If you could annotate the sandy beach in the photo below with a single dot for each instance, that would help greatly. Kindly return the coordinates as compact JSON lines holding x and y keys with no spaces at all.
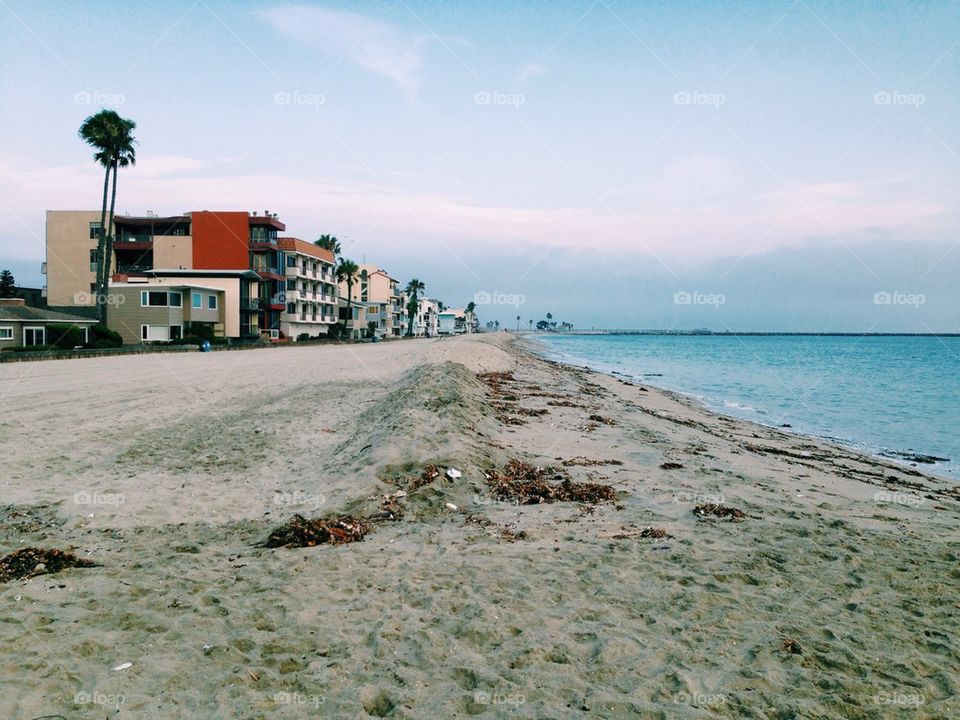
{"x":836,"y":595}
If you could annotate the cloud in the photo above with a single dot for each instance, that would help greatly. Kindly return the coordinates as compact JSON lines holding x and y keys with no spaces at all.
{"x":379,"y":215}
{"x":532,"y":70}
{"x":370,"y":43}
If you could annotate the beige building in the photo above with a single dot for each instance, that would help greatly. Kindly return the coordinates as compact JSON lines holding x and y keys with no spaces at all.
{"x":375,"y":287}
{"x":71,"y":266}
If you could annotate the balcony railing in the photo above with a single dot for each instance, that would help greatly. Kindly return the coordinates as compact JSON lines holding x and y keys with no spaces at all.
{"x":249,"y":303}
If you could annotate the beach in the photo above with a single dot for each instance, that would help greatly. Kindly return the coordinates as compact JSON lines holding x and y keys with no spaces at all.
{"x":833,"y":592}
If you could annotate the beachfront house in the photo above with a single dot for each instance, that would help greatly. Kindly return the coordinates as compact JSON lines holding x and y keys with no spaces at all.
{"x":452,"y":321}
{"x":24,"y":326}
{"x":222,"y":303}
{"x":379,"y":296}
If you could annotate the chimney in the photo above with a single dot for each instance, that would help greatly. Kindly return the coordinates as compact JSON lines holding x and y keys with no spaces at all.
{"x":12,"y":302}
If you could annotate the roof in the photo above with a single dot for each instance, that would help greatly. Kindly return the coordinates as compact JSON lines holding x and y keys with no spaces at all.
{"x":292,"y":244}
{"x":162,"y":286}
{"x":21,"y":313}
{"x":181,"y":272}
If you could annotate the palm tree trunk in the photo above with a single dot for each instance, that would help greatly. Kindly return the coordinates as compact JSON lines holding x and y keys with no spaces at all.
{"x":101,"y":245}
{"x":350,"y":307}
{"x":414,"y":305}
{"x":108,"y":247}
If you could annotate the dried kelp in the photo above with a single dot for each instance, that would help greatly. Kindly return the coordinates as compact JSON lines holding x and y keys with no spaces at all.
{"x":720,"y":511}
{"x":30,"y":561}
{"x":526,"y":484}
{"x":584,"y":461}
{"x":336,"y":530}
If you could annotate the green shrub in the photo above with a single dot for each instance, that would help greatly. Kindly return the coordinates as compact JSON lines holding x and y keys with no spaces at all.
{"x":200,"y":330}
{"x":101,"y":337}
{"x":64,"y":335}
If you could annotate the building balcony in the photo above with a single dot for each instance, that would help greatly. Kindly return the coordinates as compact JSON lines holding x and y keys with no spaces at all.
{"x":250,"y":304}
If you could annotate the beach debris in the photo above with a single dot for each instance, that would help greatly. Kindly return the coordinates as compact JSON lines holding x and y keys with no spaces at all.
{"x":715,"y":510}
{"x":511,"y":535}
{"x":791,"y":646}
{"x":532,"y":412}
{"x":336,"y":530}
{"x":429,"y":474}
{"x":29,"y":561}
{"x":124,"y":666}
{"x":625,"y":533}
{"x":453,"y":473}
{"x":527,"y":484}
{"x":602,"y":419}
{"x":510,"y":420}
{"x":563,"y":403}
{"x":671,"y":466}
{"x":451,"y":506}
{"x":587,"y":462}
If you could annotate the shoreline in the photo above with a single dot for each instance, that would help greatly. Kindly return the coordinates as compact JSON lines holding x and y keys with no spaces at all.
{"x":701,"y":404}
{"x":465,"y":605}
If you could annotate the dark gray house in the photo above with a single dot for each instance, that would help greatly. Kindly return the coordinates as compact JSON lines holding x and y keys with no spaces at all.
{"x":23,"y":326}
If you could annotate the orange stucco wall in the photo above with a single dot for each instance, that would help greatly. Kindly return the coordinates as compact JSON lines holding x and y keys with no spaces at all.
{"x":220,"y":240}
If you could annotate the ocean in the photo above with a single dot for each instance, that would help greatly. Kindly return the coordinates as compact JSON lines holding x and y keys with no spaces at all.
{"x":890,"y":396}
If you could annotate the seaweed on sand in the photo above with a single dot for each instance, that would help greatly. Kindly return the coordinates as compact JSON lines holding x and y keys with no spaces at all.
{"x":30,"y":561}
{"x":720,"y":511}
{"x":528,"y":485}
{"x":301,"y":532}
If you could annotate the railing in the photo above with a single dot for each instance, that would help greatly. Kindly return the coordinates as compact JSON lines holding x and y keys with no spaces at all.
{"x":249,"y":303}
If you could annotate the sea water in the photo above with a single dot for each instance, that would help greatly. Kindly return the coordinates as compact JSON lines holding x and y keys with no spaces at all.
{"x":887,"y":395}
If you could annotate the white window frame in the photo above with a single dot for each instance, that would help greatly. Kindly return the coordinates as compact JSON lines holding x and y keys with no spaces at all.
{"x":212,"y":299}
{"x":196,"y":300}
{"x":41,"y":328}
{"x":4,"y":328}
{"x":145,"y":333}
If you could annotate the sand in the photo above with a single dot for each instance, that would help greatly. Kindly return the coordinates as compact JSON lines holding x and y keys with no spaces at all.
{"x":170,"y":471}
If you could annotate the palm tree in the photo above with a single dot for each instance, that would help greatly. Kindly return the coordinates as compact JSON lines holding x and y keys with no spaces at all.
{"x":329,"y":242}
{"x":414,"y":288}
{"x":111,"y":136}
{"x":347,"y":272}
{"x":518,"y":323}
{"x":471,"y":307}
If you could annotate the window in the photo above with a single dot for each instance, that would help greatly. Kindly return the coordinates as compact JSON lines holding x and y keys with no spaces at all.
{"x":154,"y":298}
{"x":196,"y":300}
{"x":151,"y":333}
{"x":176,"y":332}
{"x":212,"y":302}
{"x":292,"y":308}
{"x":291,"y":261}
{"x":176,"y":299}
{"x":291,"y":284}
{"x":34,"y":336}
{"x":94,"y":234}
{"x":93,"y":260}
{"x":6,"y":332}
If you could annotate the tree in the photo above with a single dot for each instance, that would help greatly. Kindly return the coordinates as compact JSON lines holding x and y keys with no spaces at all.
{"x":542,"y":325}
{"x":530,"y":321}
{"x":329,"y":242}
{"x":111,"y":137}
{"x":414,"y":288}
{"x":518,"y":323}
{"x":549,"y":317}
{"x":7,"y":284}
{"x":347,"y":272}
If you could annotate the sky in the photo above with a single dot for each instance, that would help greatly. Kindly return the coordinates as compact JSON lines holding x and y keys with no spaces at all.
{"x":752,"y":166}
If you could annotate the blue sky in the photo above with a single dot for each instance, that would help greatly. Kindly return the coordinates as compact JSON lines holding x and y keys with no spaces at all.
{"x":599,"y":159}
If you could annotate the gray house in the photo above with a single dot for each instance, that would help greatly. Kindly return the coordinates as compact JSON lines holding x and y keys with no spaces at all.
{"x":24,"y":326}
